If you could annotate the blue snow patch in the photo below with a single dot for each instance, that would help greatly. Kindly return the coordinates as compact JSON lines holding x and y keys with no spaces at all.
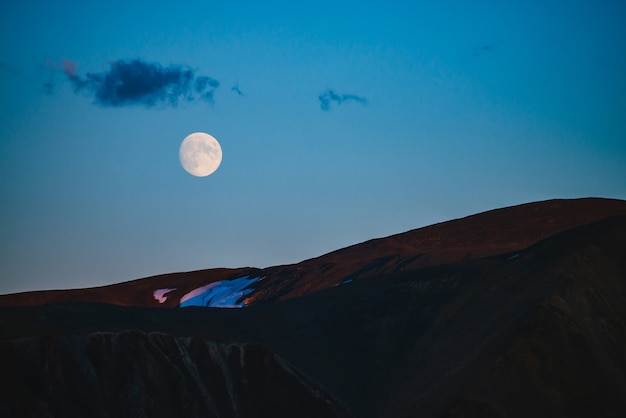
{"x":222,"y":294}
{"x":347,"y":281}
{"x":512,"y":257}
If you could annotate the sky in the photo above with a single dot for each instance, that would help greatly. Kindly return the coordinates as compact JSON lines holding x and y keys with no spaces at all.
{"x":339,"y":122}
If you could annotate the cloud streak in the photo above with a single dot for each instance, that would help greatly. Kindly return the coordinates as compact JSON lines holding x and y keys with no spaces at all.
{"x":329,"y":97}
{"x":236,"y":89}
{"x":486,"y":48}
{"x":136,"y":82}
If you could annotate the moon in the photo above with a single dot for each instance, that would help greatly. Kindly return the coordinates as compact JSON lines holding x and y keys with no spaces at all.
{"x":200,"y":154}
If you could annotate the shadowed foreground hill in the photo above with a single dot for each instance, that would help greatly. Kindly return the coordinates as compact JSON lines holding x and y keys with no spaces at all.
{"x":536,"y":332}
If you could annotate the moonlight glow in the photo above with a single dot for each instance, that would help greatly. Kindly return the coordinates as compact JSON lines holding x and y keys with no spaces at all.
{"x":200,"y":154}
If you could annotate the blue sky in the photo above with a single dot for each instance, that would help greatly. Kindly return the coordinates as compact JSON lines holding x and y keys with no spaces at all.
{"x":450,"y":109}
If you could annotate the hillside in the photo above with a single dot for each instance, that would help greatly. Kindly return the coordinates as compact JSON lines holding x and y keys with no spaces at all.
{"x":513,"y":330}
{"x":489,"y":233}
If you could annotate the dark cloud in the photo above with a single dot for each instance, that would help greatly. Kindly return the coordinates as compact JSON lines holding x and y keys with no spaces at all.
{"x":141,"y":83}
{"x":205,"y":87}
{"x":203,"y":82}
{"x":330,"y":96}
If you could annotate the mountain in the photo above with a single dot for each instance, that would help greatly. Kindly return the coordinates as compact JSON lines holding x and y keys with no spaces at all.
{"x":514,"y":312}
{"x":499,"y":231}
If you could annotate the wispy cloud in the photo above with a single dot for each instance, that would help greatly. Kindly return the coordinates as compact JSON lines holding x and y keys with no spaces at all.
{"x":486,"y":48}
{"x":49,"y":69}
{"x":236,"y":89}
{"x":137,"y":82}
{"x":329,"y":96}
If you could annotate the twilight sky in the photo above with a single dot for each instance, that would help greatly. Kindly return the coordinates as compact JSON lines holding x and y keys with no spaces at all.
{"x":339,"y":122}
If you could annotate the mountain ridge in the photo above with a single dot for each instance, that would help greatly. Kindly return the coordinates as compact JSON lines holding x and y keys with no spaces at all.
{"x":540,"y":334}
{"x":487,"y":233}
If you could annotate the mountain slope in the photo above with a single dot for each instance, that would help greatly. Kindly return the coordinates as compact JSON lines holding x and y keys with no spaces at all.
{"x":538,"y":332}
{"x":498,"y":231}
{"x":489,"y":233}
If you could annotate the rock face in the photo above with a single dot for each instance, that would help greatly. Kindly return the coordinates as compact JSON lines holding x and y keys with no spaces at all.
{"x":532,"y":329}
{"x":138,"y":374}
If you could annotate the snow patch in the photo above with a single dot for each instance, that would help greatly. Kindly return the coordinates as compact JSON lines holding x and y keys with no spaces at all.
{"x":160,"y":294}
{"x":222,"y":294}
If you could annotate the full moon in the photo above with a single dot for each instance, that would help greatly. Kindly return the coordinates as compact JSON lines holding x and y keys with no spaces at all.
{"x":200,"y":154}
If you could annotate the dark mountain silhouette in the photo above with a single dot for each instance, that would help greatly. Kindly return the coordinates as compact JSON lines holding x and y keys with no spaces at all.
{"x":514,"y":312}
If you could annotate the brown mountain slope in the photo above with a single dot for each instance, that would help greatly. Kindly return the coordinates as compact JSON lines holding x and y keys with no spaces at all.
{"x":540,"y":334}
{"x":489,"y":233}
{"x":494,"y":232}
